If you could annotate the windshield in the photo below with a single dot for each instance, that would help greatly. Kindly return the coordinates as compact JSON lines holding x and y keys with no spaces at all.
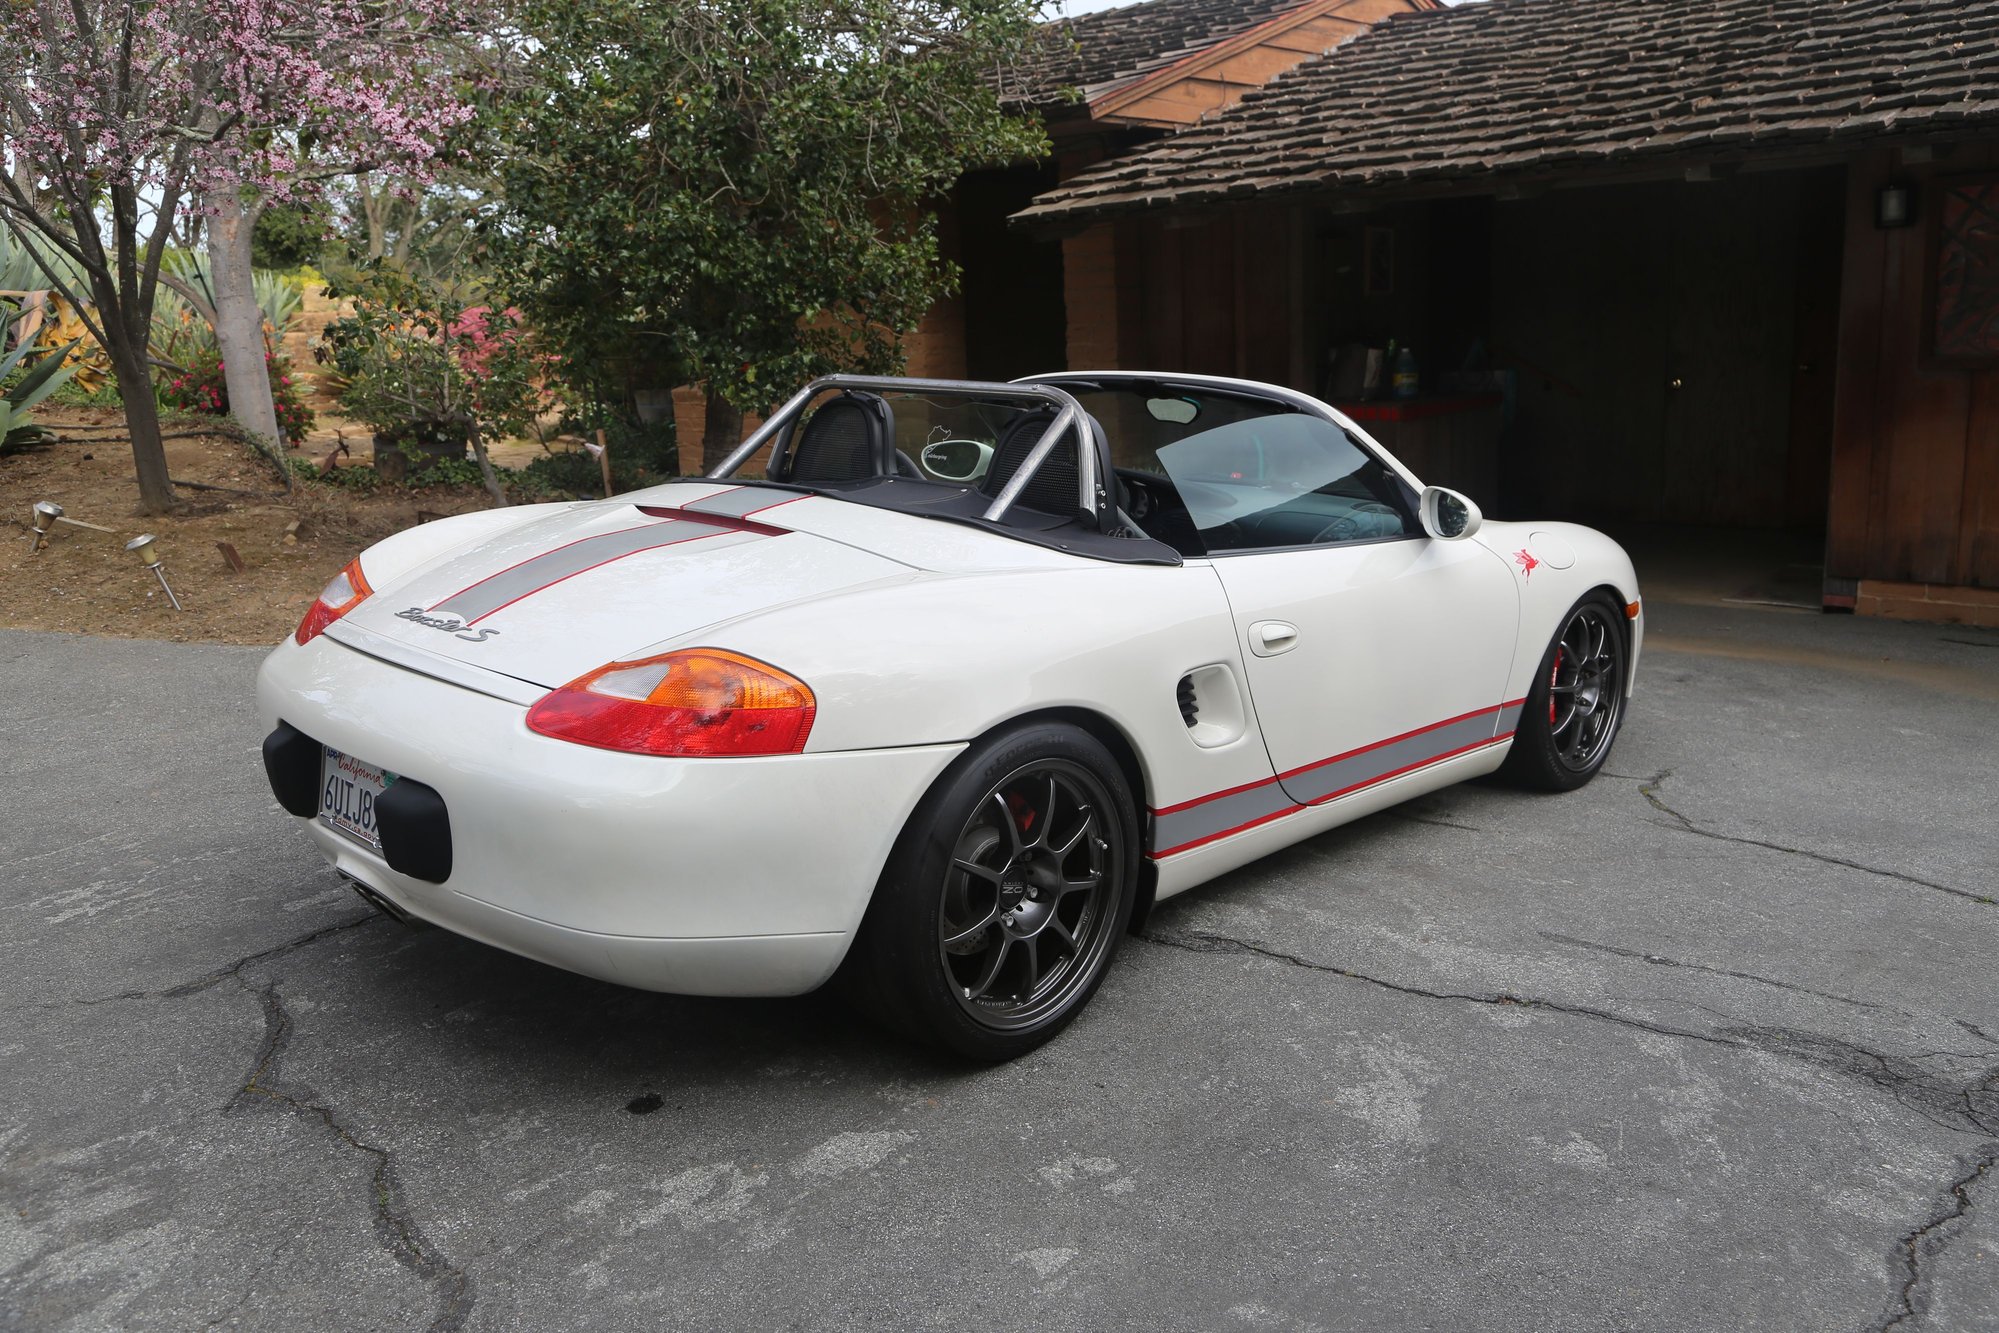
{"x":1215,"y":473}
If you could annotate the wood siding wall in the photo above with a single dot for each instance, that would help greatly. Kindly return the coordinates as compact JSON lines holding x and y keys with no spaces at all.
{"x":1220,"y":297}
{"x":1915,"y":493}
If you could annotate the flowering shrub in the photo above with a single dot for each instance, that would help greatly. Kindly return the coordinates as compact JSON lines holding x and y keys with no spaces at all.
{"x":201,"y":388}
{"x":415,"y":360}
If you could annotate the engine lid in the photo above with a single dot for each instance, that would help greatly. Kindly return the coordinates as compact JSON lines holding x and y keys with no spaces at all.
{"x":554,"y":598}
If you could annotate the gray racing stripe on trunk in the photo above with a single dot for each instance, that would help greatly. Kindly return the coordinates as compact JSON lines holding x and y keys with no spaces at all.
{"x":532,"y":575}
{"x":1324,"y":781}
{"x":741,"y":502}
{"x":1177,"y":829}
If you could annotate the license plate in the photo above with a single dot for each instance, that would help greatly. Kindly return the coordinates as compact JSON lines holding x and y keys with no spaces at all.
{"x":348,"y":790}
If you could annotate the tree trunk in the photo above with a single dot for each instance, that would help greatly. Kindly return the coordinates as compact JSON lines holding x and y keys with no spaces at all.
{"x":239,"y":321}
{"x":371,"y":215}
{"x":486,"y":473}
{"x":142,"y":410}
{"x":720,"y":433}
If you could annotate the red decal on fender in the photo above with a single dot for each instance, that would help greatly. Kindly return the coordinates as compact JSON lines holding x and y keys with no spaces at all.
{"x":1528,"y":564}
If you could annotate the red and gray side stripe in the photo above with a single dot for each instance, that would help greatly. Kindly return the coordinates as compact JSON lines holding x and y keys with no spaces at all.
{"x":741,"y":501}
{"x":1328,"y":779}
{"x":1206,"y":819}
{"x":479,"y":600}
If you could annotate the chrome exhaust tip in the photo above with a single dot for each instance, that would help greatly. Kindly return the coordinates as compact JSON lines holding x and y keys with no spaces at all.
{"x":379,"y":902}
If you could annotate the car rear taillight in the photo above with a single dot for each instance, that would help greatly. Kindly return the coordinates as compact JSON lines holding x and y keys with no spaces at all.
{"x":696,"y":702}
{"x":347,"y":591}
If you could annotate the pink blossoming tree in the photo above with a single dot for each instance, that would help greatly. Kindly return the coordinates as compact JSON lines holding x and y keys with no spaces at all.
{"x":116,"y":116}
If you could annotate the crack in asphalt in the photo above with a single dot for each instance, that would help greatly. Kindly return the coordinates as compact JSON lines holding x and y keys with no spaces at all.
{"x":227,"y":972}
{"x":1958,"y":1106}
{"x":1649,"y":789}
{"x":395,"y":1230}
{"x":1205,"y":942}
{"x":1976,"y":1031}
{"x":1962,"y":1108}
{"x":1930,"y":1239}
{"x":1660,"y":960}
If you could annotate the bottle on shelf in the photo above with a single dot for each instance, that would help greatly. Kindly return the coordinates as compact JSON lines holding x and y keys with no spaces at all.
{"x":1406,"y":381}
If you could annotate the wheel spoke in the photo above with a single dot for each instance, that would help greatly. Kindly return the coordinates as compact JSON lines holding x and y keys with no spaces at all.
{"x":1033,"y":956}
{"x":1062,"y":933}
{"x":1089,"y":881}
{"x":1007,"y":819}
{"x":1082,"y":831}
{"x":1047,"y":816}
{"x":972,"y":932}
{"x":985,"y":873}
{"x":991,"y":970}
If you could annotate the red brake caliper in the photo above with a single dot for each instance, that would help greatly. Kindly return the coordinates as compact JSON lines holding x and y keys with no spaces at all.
{"x":1553,"y":676}
{"x":1015,"y":804}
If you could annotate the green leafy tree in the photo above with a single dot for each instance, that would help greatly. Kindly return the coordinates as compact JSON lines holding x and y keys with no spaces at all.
{"x":740,"y":193}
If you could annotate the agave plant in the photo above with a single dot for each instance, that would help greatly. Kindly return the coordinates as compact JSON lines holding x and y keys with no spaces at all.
{"x":47,"y":285}
{"x":182,"y":327}
{"x":25,"y":266}
{"x":19,"y":395}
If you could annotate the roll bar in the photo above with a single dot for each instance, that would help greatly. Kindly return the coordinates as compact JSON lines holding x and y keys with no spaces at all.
{"x":1069,"y":419}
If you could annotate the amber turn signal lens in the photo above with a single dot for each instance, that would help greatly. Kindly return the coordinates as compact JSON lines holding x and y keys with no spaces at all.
{"x":346,"y":590}
{"x":696,"y":702}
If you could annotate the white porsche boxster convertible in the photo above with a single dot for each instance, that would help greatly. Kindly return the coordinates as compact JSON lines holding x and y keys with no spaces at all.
{"x":942,"y":700}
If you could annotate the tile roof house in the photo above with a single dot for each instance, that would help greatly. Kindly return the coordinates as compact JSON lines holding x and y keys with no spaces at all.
{"x":1107,"y":84}
{"x":1734,"y":262}
{"x":1168,"y":62}
{"x":1526,"y":89}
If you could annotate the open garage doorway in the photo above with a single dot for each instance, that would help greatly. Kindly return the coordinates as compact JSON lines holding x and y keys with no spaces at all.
{"x":1673,"y":350}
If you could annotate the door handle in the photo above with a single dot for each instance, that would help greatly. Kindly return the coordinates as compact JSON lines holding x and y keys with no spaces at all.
{"x":1267,"y":638}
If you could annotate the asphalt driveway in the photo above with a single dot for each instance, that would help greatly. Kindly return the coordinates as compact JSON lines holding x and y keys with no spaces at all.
{"x":1713,"y":1043}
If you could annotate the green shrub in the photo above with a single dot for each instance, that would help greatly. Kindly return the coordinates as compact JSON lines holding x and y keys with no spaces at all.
{"x":580,"y":474}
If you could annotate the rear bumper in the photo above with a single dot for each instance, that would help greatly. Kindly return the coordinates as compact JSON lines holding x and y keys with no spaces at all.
{"x":704,"y":876}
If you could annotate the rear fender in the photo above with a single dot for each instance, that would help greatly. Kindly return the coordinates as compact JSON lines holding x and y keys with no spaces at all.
{"x":947,"y":658}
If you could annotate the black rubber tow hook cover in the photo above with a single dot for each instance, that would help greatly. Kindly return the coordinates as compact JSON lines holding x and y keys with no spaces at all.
{"x":416,"y":831}
{"x":291,"y":762}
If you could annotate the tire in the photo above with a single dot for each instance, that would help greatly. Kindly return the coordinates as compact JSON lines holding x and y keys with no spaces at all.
{"x":1006,"y":897}
{"x":1576,"y":706}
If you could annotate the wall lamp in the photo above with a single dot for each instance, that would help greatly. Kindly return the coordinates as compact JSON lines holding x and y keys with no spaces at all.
{"x":1895,"y":205}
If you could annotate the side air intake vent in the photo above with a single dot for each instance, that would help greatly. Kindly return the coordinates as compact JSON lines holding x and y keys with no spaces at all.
{"x":1212,"y":706}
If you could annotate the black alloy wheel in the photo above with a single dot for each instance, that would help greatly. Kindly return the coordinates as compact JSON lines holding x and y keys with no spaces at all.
{"x":1576,"y":704}
{"x":1586,"y":688}
{"x":1026,"y":898}
{"x":1006,"y":896}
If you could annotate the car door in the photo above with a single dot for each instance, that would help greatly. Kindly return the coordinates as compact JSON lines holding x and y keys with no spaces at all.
{"x":1372,"y":649}
{"x":1369,"y":659}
